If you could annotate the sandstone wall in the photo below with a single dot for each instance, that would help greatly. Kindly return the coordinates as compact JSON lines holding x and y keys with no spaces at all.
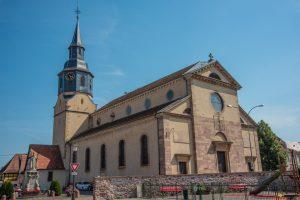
{"x":126,"y":187}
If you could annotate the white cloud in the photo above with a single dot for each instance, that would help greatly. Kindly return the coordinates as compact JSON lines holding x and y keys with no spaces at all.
{"x":114,"y":72}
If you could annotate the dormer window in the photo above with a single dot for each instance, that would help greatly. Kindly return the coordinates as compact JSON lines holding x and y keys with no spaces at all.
{"x":215,"y":76}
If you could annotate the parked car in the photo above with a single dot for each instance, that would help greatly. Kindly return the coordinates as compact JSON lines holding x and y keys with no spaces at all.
{"x":84,"y":186}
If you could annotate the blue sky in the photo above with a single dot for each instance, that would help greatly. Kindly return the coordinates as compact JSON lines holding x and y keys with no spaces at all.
{"x":131,"y":43}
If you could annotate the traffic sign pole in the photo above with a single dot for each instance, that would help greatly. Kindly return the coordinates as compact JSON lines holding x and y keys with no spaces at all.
{"x":74,"y":167}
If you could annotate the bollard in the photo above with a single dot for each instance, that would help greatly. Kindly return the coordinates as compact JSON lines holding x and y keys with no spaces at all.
{"x":185,"y":194}
{"x":13,"y":196}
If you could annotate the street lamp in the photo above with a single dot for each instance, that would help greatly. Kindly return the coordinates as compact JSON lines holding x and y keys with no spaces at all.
{"x":251,"y":155}
{"x":74,"y":152}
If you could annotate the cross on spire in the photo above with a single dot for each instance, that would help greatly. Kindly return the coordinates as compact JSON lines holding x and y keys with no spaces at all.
{"x":77,"y":11}
{"x":211,"y":57}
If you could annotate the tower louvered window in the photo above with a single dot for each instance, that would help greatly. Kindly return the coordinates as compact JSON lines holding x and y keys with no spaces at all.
{"x":82,"y":81}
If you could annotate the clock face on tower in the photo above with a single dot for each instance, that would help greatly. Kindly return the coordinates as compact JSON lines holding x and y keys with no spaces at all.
{"x":69,"y":76}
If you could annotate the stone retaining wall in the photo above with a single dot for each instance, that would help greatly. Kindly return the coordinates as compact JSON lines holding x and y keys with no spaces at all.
{"x":126,"y":187}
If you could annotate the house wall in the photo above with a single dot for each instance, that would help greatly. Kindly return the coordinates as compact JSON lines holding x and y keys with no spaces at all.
{"x":58,"y":175}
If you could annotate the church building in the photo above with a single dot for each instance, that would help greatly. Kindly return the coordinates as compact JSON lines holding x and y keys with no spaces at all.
{"x":187,"y":122}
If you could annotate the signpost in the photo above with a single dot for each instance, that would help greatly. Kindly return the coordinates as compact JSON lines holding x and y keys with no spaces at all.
{"x":74,"y":167}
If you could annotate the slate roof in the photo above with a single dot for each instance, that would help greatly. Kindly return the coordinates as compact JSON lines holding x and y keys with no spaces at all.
{"x":150,"y":86}
{"x":48,"y":156}
{"x":124,"y":120}
{"x":15,"y":165}
{"x":76,"y":40}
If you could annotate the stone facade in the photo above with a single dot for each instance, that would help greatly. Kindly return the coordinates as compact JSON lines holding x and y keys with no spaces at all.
{"x":185,"y":131}
{"x":183,"y":128}
{"x":126,"y":187}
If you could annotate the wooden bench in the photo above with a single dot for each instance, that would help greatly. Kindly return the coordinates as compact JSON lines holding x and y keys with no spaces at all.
{"x":238,"y":187}
{"x":175,"y":189}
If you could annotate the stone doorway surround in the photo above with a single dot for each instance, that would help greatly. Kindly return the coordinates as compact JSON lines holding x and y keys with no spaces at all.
{"x":221,"y":144}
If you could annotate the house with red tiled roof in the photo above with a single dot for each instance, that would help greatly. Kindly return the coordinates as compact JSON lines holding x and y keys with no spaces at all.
{"x":14,"y":169}
{"x":49,"y":165}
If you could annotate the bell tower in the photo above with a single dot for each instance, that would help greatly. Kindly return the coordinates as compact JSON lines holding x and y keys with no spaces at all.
{"x":74,"y":102}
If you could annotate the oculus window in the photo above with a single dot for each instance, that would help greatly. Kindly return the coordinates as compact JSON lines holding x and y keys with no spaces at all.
{"x":217,"y":102}
{"x":170,"y":95}
{"x":147,"y":103}
{"x":128,"y":110}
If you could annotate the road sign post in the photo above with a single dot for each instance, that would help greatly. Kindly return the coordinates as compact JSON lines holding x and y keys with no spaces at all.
{"x":74,"y":167}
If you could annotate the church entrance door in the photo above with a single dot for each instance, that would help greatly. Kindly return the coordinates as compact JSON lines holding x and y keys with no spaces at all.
{"x":222,"y":163}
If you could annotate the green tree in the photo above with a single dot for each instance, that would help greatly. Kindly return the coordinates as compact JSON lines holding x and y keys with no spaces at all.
{"x":7,"y":189}
{"x":55,"y":186}
{"x":272,"y":150}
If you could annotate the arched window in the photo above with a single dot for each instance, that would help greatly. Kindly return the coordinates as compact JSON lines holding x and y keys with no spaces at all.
{"x":217,"y":102}
{"x":215,"y":76}
{"x":87,"y":159}
{"x":144,"y":150}
{"x":121,"y":153}
{"x":82,"y":81}
{"x":74,"y":157}
{"x":103,"y":156}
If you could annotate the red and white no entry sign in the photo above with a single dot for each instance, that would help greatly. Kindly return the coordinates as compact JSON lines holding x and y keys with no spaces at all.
{"x":74,"y":166}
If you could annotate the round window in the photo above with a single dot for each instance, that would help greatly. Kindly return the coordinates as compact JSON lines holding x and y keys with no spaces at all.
{"x":147,"y":103}
{"x":128,"y":110}
{"x":170,"y":95}
{"x":217,"y":102}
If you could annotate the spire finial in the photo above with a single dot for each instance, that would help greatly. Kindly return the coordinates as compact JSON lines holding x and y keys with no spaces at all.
{"x":211,"y":57}
{"x":77,"y":11}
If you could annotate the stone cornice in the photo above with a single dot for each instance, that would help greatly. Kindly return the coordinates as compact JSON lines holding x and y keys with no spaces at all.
{"x":176,"y":115}
{"x":214,"y":81}
{"x":73,"y":111}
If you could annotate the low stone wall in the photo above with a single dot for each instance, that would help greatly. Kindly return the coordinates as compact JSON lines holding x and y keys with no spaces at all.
{"x":126,"y":187}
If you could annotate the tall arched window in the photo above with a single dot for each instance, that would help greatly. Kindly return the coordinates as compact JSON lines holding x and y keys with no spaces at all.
{"x":121,"y":153}
{"x":144,"y":150}
{"x":82,"y":81}
{"x":87,"y":159}
{"x":103,"y":157}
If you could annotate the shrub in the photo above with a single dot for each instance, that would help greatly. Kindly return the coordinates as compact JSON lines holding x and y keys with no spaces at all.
{"x":7,"y":189}
{"x":55,"y":186}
